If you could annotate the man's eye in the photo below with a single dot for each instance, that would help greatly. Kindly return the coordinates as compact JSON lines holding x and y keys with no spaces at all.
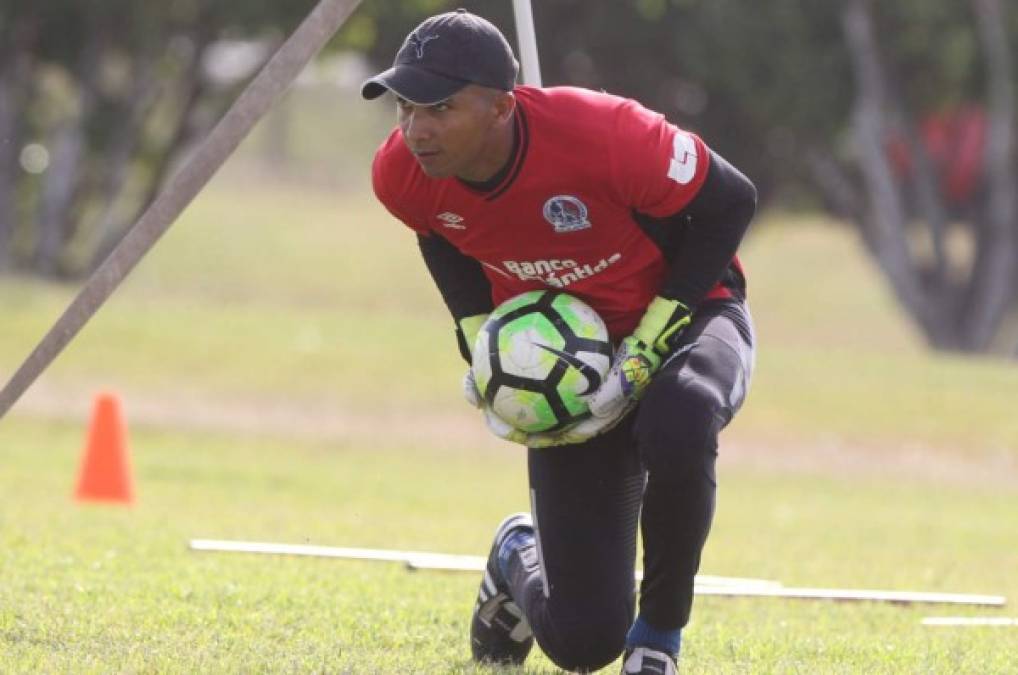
{"x":440,"y":107}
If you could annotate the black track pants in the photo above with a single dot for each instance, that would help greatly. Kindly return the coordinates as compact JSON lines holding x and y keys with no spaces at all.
{"x":587,"y":501}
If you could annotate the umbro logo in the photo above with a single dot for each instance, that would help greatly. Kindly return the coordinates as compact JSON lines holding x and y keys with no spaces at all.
{"x":452,"y":220}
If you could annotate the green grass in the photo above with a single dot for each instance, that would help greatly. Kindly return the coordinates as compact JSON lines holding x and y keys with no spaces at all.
{"x":99,"y":589}
{"x":838,"y":359}
{"x":289,"y":374}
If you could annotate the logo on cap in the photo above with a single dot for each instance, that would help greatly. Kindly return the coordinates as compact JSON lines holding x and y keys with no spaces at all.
{"x":418,"y":43}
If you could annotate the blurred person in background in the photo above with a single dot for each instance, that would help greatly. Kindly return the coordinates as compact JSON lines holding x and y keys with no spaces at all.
{"x":508,"y":188}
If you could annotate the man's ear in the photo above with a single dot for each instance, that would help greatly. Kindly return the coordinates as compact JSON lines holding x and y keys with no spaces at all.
{"x":505,"y":104}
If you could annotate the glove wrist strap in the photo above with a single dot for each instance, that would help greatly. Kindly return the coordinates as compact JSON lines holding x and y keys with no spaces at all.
{"x":663,"y":321}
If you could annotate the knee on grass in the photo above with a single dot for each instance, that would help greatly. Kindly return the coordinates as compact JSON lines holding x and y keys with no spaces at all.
{"x":584,"y":646}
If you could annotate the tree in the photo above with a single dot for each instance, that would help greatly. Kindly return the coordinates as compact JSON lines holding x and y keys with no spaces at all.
{"x":97,"y":101}
{"x":852,"y":106}
{"x":959,"y":301}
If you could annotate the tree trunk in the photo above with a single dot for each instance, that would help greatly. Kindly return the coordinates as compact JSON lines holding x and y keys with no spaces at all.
{"x":883,"y":227}
{"x":994,"y":272}
{"x":66,"y":146}
{"x":185,"y":95}
{"x":69,"y":148}
{"x":9,"y":149}
{"x":953,"y":313}
{"x":15,"y":75}
{"x":842,"y":196}
{"x":111,"y":192}
{"x":277,"y":127}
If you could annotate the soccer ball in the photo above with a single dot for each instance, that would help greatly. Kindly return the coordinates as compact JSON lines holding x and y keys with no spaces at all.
{"x":537,"y":356}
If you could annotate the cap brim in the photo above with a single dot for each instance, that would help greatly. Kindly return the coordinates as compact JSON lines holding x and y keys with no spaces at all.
{"x":414,"y":84}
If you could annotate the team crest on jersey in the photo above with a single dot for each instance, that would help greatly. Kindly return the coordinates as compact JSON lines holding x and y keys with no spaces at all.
{"x":566,"y":213}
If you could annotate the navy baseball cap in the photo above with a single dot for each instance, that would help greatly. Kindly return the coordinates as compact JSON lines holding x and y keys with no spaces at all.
{"x":444,"y":54}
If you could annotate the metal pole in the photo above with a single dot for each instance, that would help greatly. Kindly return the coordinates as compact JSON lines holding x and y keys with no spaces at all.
{"x":256,"y":99}
{"x":527,"y":39}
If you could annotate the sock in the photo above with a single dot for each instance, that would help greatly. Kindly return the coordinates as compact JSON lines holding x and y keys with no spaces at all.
{"x":642,"y":634}
{"x":516,"y":540}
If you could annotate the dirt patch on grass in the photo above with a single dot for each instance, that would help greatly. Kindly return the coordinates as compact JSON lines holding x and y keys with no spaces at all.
{"x":459,"y":429}
{"x":909,"y":461}
{"x":283,"y":418}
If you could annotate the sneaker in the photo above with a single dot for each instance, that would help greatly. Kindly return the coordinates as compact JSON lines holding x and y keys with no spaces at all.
{"x":499,"y":633}
{"x":647,"y":661}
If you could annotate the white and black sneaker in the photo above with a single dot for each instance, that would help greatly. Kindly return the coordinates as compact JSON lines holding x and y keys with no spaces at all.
{"x":499,"y":633}
{"x":647,"y":661}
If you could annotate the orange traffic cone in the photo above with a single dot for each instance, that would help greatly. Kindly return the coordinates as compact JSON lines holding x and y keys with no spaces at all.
{"x":105,"y":473}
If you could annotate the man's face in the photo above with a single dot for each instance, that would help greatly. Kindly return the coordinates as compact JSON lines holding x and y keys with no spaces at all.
{"x":458,"y":136}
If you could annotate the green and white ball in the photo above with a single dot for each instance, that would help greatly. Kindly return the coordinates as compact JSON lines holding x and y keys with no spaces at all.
{"x":537,"y":356}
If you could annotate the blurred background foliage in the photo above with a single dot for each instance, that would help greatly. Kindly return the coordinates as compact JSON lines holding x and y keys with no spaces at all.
{"x":897,"y":118}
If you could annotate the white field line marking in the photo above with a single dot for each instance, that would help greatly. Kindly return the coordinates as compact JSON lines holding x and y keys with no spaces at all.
{"x":705,"y":585}
{"x":853,"y":595}
{"x":476,"y":564}
{"x":761,"y":588}
{"x":417,"y":560}
{"x":329,"y":552}
{"x":969,"y":621}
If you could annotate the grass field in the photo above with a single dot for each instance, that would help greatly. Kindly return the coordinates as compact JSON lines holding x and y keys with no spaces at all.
{"x":289,"y":374}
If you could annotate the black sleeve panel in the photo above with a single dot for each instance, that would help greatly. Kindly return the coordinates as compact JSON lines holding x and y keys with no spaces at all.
{"x":700,"y":241}
{"x":459,"y":278}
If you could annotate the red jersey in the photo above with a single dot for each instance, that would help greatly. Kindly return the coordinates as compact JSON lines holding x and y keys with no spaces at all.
{"x":564,"y":215}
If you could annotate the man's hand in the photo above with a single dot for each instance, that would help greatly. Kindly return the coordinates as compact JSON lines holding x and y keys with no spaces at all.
{"x":469,"y":327}
{"x":470,"y":391}
{"x":577,"y":433}
{"x":638,"y":358}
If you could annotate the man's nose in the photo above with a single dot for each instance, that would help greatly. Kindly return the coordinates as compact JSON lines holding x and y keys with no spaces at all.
{"x":417,"y":127}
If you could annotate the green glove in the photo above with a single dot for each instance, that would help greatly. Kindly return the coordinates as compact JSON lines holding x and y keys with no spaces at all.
{"x":662,"y":325}
{"x":639,"y":357}
{"x":469,"y":327}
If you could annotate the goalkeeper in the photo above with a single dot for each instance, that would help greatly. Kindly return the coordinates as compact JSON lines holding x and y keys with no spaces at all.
{"x":514,"y":188}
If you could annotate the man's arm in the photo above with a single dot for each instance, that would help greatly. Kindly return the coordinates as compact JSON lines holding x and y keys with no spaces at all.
{"x":701,"y":240}
{"x":714,"y":223}
{"x":460,"y":280}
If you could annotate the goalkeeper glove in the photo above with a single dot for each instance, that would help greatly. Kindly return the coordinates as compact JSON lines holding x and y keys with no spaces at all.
{"x":637,"y":359}
{"x":469,"y":327}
